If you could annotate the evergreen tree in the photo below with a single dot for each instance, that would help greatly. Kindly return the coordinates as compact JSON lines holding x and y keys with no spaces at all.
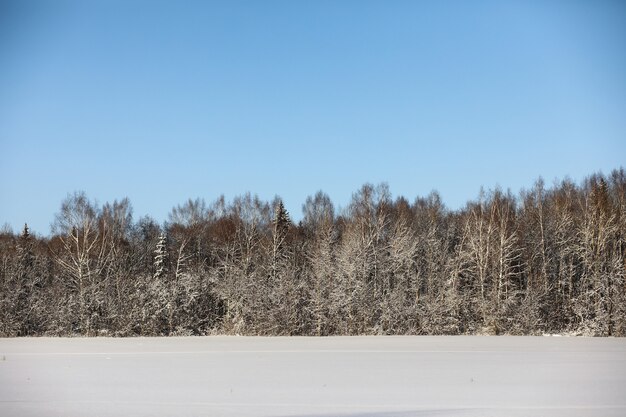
{"x":27,"y":280}
{"x":282,"y":223}
{"x":25,"y":250}
{"x":160,"y":258}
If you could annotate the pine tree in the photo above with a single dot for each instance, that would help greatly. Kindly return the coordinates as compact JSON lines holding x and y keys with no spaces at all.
{"x":26,"y":281}
{"x":25,"y":250}
{"x":281,"y":223}
{"x":160,"y":257}
{"x":285,"y":295}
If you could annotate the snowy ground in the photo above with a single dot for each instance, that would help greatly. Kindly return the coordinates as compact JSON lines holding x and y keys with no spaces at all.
{"x":338,"y":376}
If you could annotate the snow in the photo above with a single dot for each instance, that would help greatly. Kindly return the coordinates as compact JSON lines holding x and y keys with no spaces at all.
{"x":334,"y":376}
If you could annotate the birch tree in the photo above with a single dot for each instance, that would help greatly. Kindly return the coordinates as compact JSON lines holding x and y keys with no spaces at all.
{"x":82,"y":258}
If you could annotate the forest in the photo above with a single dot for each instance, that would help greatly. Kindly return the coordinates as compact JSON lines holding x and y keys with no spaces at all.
{"x":551,"y":259}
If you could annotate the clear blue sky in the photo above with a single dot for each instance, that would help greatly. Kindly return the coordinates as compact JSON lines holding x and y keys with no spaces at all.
{"x":163,"y":101}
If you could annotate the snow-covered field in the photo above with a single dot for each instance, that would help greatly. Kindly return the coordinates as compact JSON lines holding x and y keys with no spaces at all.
{"x":335,"y":376}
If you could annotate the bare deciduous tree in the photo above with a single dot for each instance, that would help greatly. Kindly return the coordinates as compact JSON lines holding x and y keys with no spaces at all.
{"x":552,"y":260}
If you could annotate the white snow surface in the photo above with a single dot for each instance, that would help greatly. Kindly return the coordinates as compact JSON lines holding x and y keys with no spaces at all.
{"x":334,"y":376}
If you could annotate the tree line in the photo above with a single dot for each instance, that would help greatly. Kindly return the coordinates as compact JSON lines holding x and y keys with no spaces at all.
{"x":551,"y":259}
